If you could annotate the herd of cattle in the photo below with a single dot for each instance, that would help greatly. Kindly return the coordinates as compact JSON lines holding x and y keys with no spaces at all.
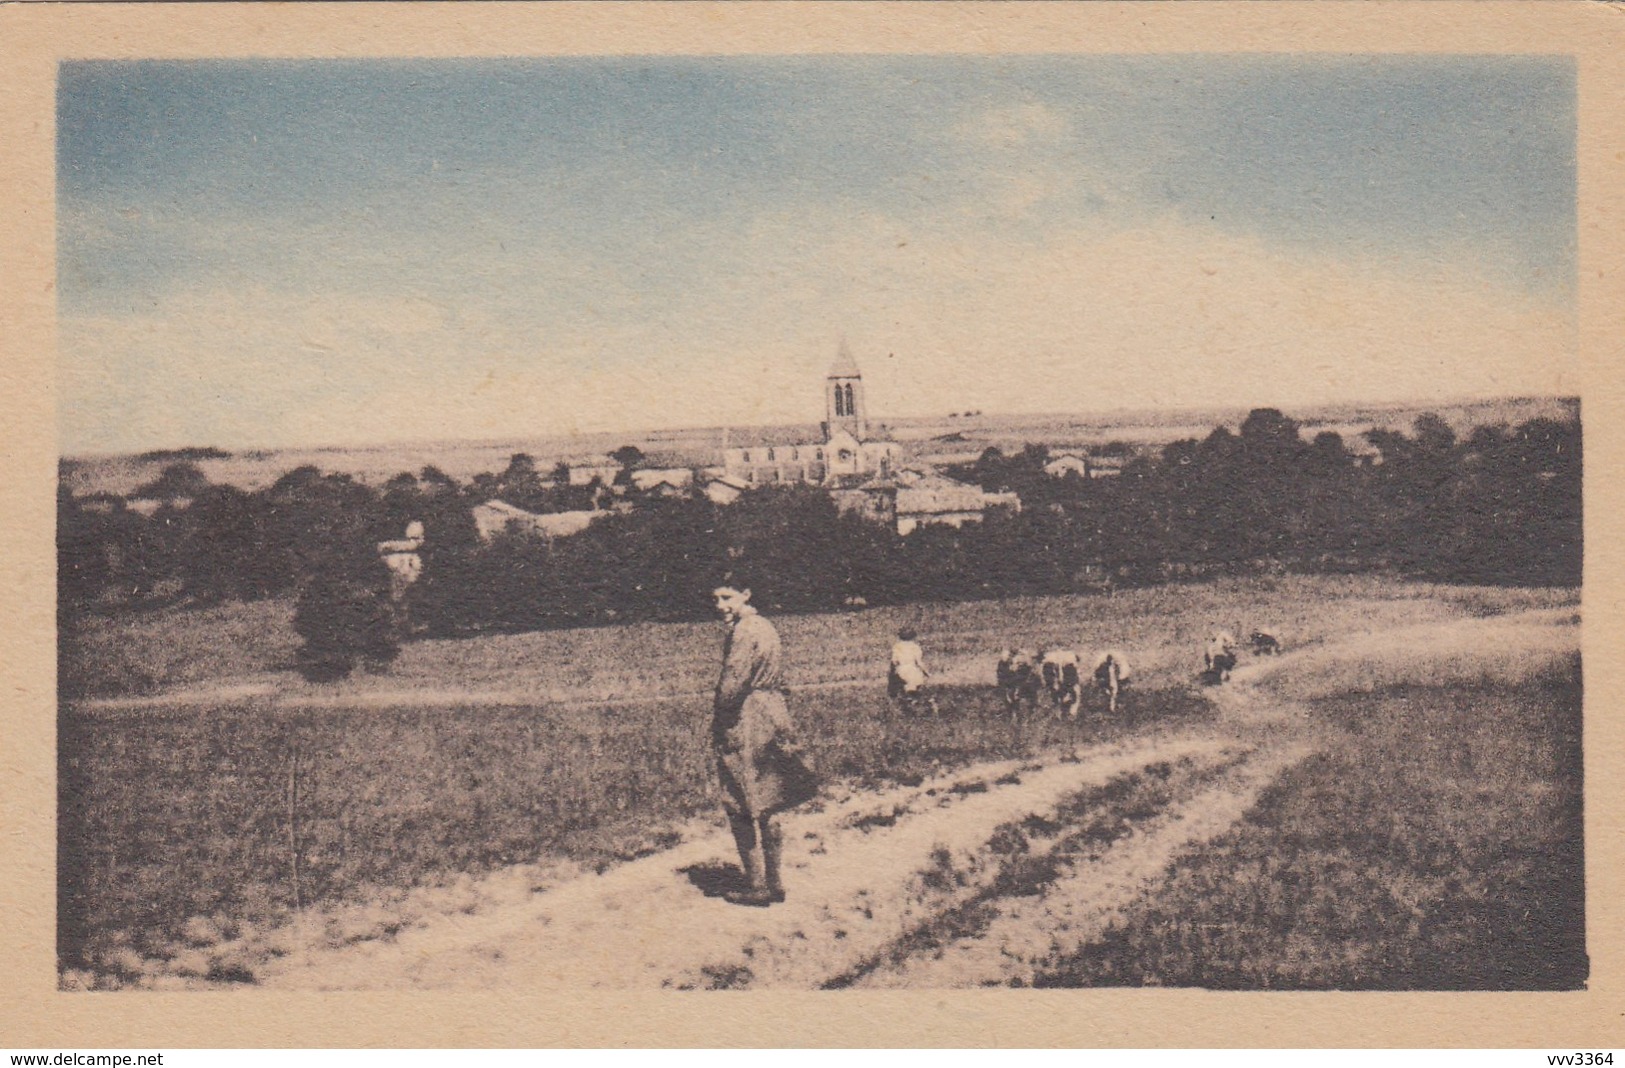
{"x":1025,"y":675}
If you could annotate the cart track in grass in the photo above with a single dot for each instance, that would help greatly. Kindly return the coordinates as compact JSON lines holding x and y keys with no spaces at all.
{"x":872,"y":875}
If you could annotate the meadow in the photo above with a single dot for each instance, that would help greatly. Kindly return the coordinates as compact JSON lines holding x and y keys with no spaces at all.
{"x":239,"y":815}
{"x":1434,"y":842}
{"x":196,"y":813}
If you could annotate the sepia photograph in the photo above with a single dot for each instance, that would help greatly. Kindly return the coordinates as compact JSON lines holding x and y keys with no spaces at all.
{"x":692,"y":523}
{"x":599,"y":522}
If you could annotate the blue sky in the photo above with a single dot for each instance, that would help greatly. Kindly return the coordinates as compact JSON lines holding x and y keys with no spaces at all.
{"x":309,"y":252}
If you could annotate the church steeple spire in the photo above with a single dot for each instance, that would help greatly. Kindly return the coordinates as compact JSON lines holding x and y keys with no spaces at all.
{"x":844,"y":366}
{"x":844,"y":405}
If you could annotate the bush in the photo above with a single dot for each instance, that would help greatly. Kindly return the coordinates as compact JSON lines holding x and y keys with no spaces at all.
{"x":343,"y":612}
{"x":344,"y":619}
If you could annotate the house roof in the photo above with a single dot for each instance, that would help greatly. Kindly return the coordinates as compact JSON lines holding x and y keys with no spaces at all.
{"x":553,"y":524}
{"x":561,"y":524}
{"x":644,"y":478}
{"x":504,"y":508}
{"x":934,"y":495}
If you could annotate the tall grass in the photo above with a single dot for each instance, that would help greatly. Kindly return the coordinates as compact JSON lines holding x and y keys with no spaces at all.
{"x":1162,"y":628}
{"x":1436,"y":845}
{"x":242,"y":814}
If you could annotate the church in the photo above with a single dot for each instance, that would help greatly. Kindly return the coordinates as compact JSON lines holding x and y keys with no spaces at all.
{"x":850,"y":451}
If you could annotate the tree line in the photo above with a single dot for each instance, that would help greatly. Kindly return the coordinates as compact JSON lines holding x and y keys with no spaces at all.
{"x":1502,"y":506}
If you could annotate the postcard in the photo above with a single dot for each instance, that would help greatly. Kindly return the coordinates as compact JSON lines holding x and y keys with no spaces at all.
{"x":801,"y":525}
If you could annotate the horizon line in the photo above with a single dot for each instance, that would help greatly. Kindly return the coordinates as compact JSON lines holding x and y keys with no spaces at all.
{"x":718,"y":428}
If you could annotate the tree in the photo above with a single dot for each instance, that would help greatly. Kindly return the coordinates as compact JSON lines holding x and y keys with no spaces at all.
{"x":519,"y":483}
{"x":343,"y":615}
{"x":1266,"y":431}
{"x":787,"y":535}
{"x":84,"y":551}
{"x":224,"y":547}
{"x":1433,"y":434}
{"x":328,"y":527}
{"x":437,"y":482}
{"x":177,"y":481}
{"x":628,"y":457}
{"x":402,"y":501}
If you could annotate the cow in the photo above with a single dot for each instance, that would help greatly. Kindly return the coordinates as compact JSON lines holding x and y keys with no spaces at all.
{"x":1111,"y":674}
{"x":1219,"y":658}
{"x":1059,"y":670}
{"x":1263,"y":643}
{"x":1017,"y":676}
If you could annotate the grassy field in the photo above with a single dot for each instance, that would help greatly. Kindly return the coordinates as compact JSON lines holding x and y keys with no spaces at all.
{"x":1162,"y":628}
{"x":240,"y":814}
{"x":185,"y":818}
{"x":1435,"y":842}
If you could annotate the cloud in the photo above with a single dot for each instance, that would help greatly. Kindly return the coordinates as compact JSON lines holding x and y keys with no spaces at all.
{"x":737,"y":327}
{"x":1178,"y":315}
{"x":1013,"y":126}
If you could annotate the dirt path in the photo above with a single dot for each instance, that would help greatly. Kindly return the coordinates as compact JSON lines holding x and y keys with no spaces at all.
{"x":984,"y":876}
{"x":1025,"y":857}
{"x":1005,"y":939}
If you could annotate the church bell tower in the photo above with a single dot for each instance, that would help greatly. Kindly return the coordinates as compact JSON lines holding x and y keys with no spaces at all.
{"x":844,"y":407}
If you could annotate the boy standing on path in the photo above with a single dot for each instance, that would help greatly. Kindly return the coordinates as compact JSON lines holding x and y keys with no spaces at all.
{"x":757,"y":752}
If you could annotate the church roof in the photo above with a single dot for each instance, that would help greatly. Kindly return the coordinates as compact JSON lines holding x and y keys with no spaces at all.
{"x":844,"y":366}
{"x":755,"y":437}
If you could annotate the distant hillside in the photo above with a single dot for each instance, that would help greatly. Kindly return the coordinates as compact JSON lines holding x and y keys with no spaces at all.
{"x":943,"y":438}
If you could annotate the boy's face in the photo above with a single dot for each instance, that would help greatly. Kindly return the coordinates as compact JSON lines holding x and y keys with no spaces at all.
{"x":730,"y":603}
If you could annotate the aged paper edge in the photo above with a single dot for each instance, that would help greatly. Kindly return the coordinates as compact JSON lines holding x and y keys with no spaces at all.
{"x":33,"y":38}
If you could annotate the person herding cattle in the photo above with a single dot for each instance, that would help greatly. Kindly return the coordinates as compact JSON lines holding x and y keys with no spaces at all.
{"x":1111,"y":674}
{"x":1059,"y":670}
{"x":1017,"y":677}
{"x":908,"y":671}
{"x":1220,"y":656}
{"x":758,"y":755}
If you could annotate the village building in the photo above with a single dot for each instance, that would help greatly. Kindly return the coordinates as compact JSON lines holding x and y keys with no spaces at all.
{"x":403,"y":558}
{"x":849,"y":451}
{"x":147,"y":507}
{"x":723,"y":488}
{"x":101,"y":503}
{"x":1067,"y":463}
{"x":1106,"y":466}
{"x":496,"y":517}
{"x":1084,"y":466}
{"x":652,"y":479}
{"x":913,"y":499}
{"x":584,"y":474}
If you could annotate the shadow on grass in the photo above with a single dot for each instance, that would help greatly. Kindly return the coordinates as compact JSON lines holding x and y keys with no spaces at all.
{"x":714,"y":879}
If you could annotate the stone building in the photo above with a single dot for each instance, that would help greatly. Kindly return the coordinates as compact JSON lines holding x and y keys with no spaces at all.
{"x":847,"y":450}
{"x":913,"y":499}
